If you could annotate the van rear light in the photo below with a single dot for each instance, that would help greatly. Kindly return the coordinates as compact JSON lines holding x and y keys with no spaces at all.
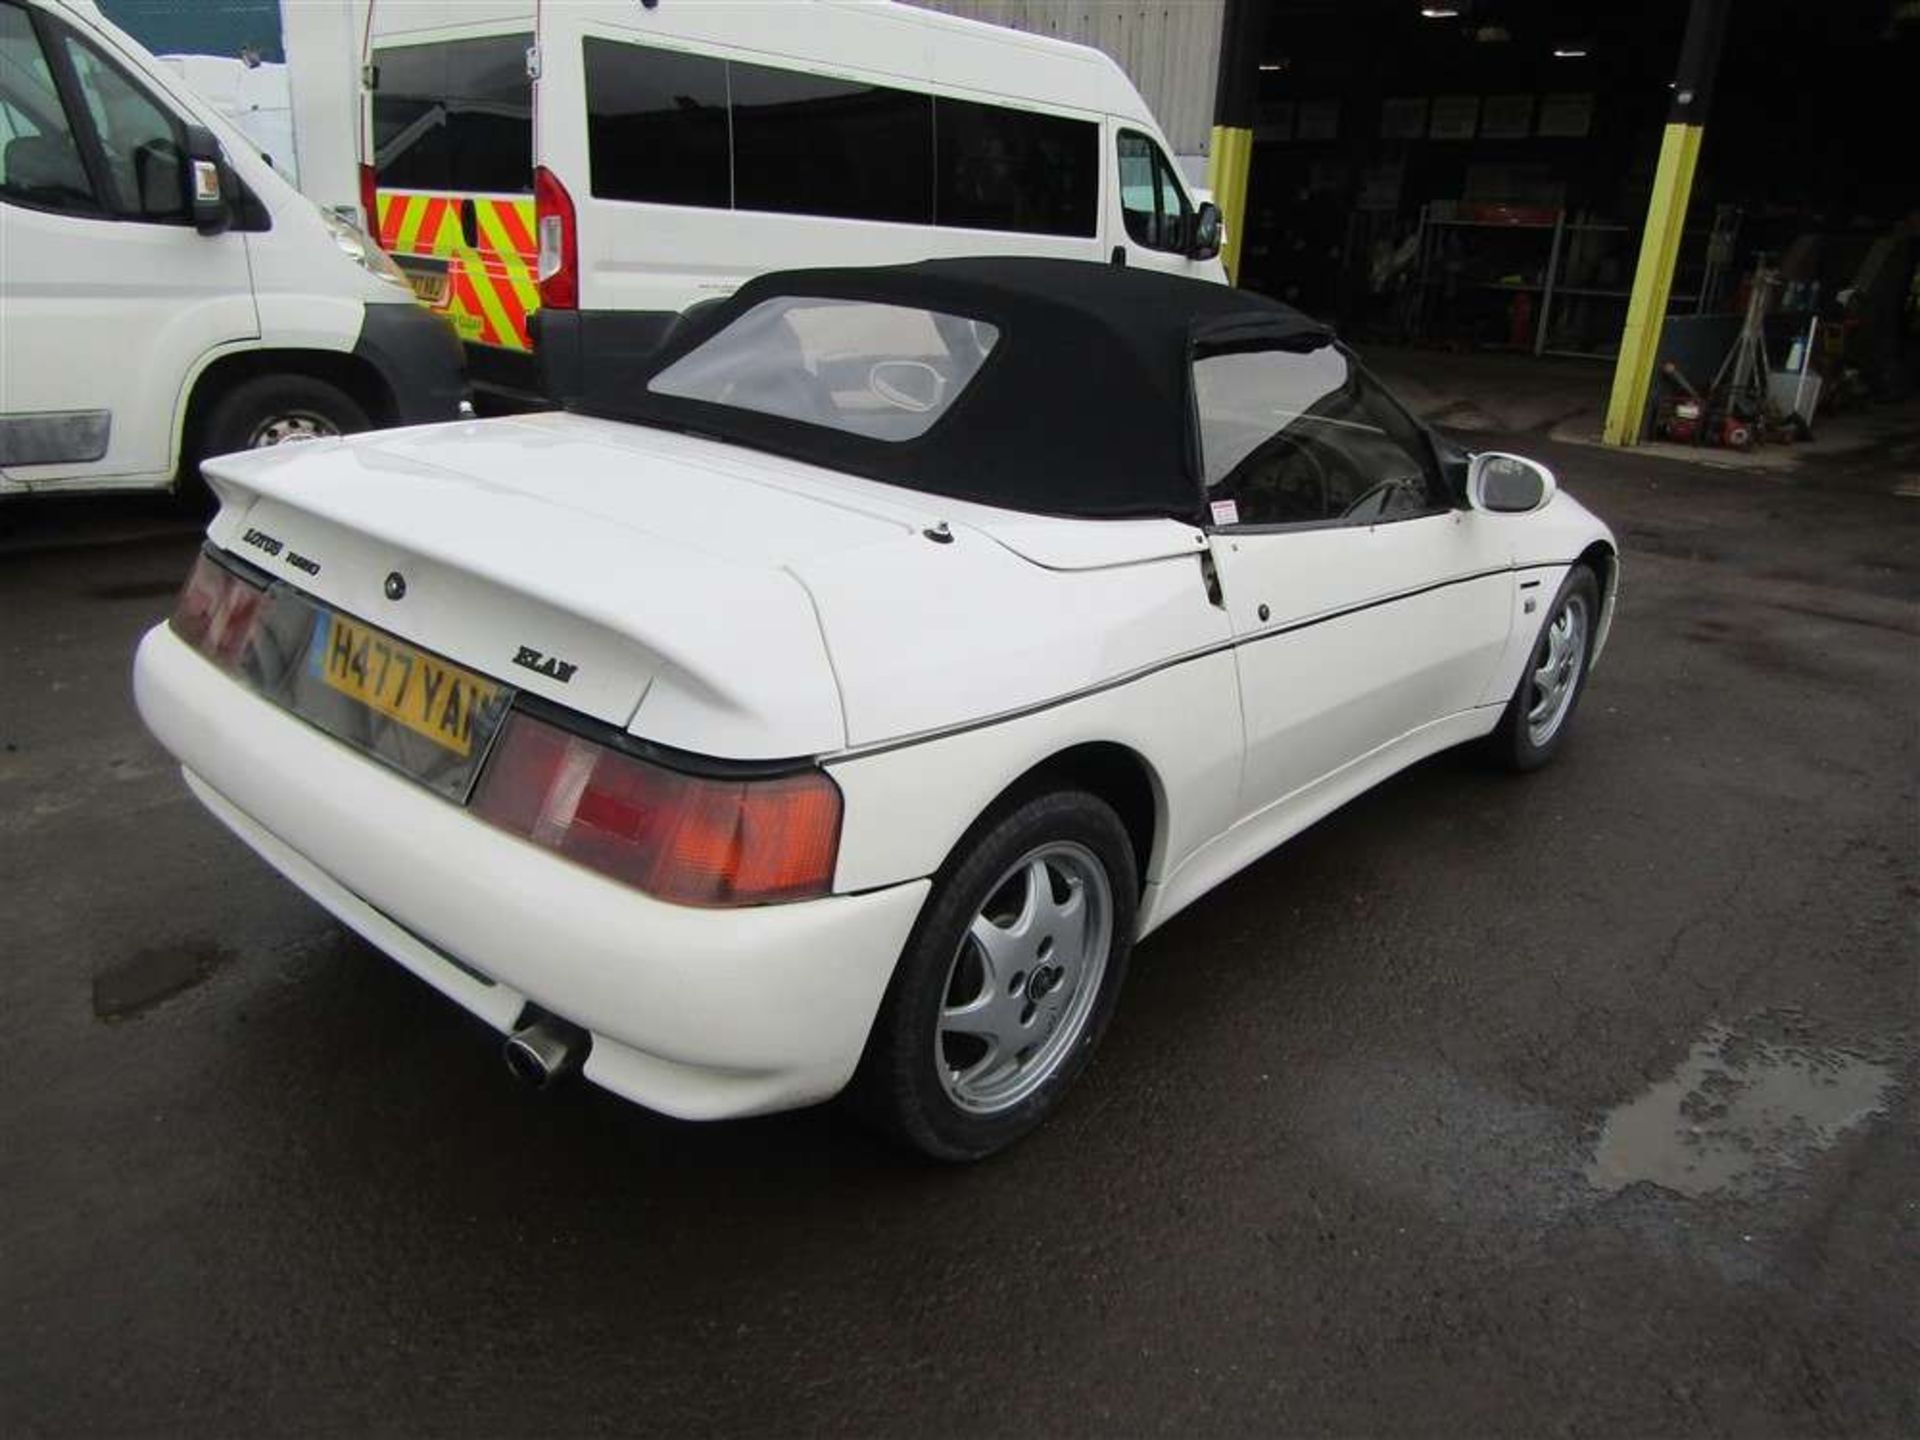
{"x":690,"y":839}
{"x":370,"y":202}
{"x":218,"y":613}
{"x":558,"y":268}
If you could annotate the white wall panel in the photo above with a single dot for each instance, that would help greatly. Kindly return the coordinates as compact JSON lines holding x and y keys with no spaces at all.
{"x":1171,"y":49}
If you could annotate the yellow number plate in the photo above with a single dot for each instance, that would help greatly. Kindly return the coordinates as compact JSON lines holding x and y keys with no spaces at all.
{"x":430,"y":288}
{"x":425,"y":694}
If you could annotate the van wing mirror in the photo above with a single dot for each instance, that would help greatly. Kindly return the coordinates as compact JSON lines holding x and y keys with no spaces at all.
{"x":209,"y":182}
{"x":1209,"y":232}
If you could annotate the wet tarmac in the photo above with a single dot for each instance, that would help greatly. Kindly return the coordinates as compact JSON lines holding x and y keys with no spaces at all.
{"x":1739,"y":1114}
{"x":1578,"y":1104}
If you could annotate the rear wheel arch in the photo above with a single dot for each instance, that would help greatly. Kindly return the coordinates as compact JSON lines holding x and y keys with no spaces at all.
{"x":970,"y":970}
{"x":1111,"y":772}
{"x":358,"y":379}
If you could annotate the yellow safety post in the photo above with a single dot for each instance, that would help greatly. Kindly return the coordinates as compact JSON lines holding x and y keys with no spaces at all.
{"x":1666,"y":219}
{"x":1230,"y":155}
{"x":1652,"y":285}
{"x":1229,"y":159}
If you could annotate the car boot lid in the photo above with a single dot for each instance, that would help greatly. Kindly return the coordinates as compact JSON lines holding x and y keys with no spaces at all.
{"x":648,"y":595}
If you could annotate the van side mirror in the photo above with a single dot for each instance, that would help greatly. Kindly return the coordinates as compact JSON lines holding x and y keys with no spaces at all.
{"x":209,"y":182}
{"x":1209,"y":231}
{"x":1508,"y":484}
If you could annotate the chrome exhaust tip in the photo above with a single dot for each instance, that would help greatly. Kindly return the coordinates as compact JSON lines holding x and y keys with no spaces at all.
{"x":545,"y":1050}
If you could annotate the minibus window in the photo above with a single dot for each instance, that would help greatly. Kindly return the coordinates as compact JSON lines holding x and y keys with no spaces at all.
{"x":657,"y":125}
{"x":1007,"y":169}
{"x":813,"y":145}
{"x":455,"y":116}
{"x":680,"y":129}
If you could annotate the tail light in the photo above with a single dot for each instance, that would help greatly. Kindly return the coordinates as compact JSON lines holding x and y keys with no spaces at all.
{"x":370,"y":202}
{"x":685,"y":838}
{"x":218,"y":613}
{"x":558,"y":269}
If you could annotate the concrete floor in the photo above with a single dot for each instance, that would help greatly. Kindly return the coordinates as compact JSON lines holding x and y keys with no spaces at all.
{"x":1874,"y":447}
{"x":1580,"y":1104}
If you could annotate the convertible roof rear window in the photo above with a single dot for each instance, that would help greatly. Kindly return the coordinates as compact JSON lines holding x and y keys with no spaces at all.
{"x":879,"y":371}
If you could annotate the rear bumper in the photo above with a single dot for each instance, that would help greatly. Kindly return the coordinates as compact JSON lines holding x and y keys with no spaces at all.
{"x":701,"y":1014}
{"x":419,"y":356}
{"x":505,"y":382}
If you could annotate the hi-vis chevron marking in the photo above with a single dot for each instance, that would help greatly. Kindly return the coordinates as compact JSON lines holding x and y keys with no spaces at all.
{"x":491,"y":286}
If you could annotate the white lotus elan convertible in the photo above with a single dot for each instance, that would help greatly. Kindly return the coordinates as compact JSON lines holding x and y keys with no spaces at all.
{"x":840,"y":712}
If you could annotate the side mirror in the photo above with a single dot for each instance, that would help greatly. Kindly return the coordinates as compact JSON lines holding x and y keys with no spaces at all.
{"x":1508,"y":484}
{"x":1209,"y":232}
{"x":209,"y":181}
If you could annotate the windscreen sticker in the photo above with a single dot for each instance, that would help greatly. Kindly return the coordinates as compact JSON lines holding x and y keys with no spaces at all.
{"x":1226,"y":512}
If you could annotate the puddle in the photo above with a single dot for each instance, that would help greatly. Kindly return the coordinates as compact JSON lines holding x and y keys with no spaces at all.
{"x":1738,"y":1111}
{"x":143,"y":981}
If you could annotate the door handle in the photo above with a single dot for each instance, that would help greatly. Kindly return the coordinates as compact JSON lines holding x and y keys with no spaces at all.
{"x":470,"y":224}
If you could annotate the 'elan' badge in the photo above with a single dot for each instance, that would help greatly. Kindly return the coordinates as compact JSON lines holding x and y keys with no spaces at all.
{"x":550,"y":666}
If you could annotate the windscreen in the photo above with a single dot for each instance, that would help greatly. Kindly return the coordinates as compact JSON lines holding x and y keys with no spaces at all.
{"x":877,"y":371}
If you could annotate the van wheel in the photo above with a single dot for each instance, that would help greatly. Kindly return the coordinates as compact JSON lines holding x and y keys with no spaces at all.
{"x":1007,"y":982}
{"x":279,"y":409}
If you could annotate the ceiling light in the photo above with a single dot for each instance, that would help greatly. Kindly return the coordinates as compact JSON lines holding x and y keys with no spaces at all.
{"x":1269,"y":66}
{"x":1439,"y":12}
{"x":1569,"y":52}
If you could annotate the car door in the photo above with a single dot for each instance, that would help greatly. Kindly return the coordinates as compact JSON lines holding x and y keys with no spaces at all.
{"x":1365,"y":605}
{"x":108,"y":292}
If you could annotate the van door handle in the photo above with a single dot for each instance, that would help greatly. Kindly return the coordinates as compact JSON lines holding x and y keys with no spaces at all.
{"x":469,"y":224}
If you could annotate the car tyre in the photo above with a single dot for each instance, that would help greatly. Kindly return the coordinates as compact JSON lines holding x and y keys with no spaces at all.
{"x":1535,"y":722}
{"x":1007,"y":981}
{"x":275,"y":409}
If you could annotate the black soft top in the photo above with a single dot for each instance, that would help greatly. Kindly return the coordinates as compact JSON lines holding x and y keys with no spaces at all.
{"x":1084,"y":407}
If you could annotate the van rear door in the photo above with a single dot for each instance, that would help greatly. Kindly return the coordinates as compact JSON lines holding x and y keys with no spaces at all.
{"x":453,"y":176}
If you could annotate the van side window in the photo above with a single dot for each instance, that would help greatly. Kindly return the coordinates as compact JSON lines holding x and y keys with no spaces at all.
{"x":455,"y":115}
{"x":39,"y":162}
{"x":1006,"y":169}
{"x":814,"y":145}
{"x":657,"y":126}
{"x":1151,"y":199}
{"x":680,"y":129}
{"x":144,"y":146}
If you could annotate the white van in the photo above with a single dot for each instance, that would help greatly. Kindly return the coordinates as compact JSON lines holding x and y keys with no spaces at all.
{"x":568,"y":178}
{"x":164,"y":294}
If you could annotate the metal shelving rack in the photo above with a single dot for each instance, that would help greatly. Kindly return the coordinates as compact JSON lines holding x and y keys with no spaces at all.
{"x":1562,"y":234}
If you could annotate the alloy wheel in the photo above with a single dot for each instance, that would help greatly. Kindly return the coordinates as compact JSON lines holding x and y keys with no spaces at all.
{"x":1557,"y":677}
{"x":1024,"y":978}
